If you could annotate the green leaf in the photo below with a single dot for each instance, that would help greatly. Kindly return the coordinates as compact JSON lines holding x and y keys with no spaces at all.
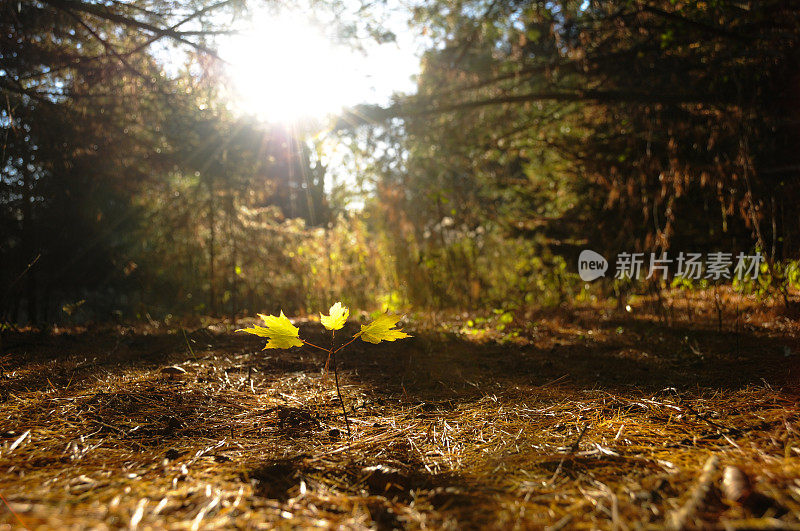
{"x":337,"y":317}
{"x":381,"y":329}
{"x":280,"y":332}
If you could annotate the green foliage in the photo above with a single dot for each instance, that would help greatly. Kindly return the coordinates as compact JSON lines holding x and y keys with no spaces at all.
{"x":538,"y":128}
{"x":779,"y":278}
{"x":510,"y":133}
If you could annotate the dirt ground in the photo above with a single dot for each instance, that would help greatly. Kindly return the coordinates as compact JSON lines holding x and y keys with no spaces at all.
{"x":585,"y":418}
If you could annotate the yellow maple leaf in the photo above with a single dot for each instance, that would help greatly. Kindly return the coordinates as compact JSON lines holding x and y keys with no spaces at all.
{"x":280,"y":332}
{"x":336,"y":318}
{"x":381,"y":329}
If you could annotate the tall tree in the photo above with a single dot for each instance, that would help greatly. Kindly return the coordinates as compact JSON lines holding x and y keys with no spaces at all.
{"x":83,"y":96}
{"x":673,"y":123}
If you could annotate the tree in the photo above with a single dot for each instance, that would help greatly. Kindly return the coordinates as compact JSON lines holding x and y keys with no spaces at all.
{"x":81,"y":90}
{"x":661,"y":125}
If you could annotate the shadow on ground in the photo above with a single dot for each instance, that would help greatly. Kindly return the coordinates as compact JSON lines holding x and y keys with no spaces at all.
{"x":431,"y":366}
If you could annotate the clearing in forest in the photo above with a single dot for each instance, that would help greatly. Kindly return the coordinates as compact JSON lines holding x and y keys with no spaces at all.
{"x":583,"y":420}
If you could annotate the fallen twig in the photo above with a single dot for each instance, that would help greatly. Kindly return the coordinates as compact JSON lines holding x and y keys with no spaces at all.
{"x":679,"y":518}
{"x":572,"y":450}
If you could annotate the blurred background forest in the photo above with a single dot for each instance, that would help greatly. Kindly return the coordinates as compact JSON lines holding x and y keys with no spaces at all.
{"x":131,"y":188}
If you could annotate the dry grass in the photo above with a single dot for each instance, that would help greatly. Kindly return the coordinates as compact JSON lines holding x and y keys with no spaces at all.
{"x":448,"y":432}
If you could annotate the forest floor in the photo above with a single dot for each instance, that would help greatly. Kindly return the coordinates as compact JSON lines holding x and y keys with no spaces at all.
{"x":584,"y":418}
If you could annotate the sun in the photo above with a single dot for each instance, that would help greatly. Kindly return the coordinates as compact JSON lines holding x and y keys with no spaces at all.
{"x":283,"y":68}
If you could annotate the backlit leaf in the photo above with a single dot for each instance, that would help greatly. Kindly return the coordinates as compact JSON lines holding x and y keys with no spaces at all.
{"x":280,"y":332}
{"x":382,"y":329}
{"x":336,"y":318}
{"x":256,"y":330}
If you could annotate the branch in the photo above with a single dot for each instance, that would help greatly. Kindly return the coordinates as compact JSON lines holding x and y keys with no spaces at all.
{"x":373,"y":114}
{"x":109,"y":49}
{"x":708,"y":28}
{"x":597,"y":96}
{"x":180,"y":23}
{"x":473,"y":34}
{"x":105,"y":14}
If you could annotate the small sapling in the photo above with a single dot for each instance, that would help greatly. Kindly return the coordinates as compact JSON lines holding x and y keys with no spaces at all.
{"x":281,"y":333}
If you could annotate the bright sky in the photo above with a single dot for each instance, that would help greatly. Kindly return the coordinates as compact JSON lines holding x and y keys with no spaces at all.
{"x":283,"y":68}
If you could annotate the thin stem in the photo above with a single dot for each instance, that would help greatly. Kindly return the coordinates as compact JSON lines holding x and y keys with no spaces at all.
{"x":315,"y":346}
{"x":339,"y":392}
{"x":333,"y":344}
{"x":340,"y":348}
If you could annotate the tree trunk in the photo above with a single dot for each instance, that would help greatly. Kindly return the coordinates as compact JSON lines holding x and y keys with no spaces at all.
{"x":212,"y":251}
{"x":29,"y":248}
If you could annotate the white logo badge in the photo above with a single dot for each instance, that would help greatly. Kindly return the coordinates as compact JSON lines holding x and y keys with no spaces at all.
{"x":591,"y":265}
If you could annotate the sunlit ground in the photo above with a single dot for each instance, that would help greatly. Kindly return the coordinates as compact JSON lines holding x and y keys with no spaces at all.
{"x":284,"y":68}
